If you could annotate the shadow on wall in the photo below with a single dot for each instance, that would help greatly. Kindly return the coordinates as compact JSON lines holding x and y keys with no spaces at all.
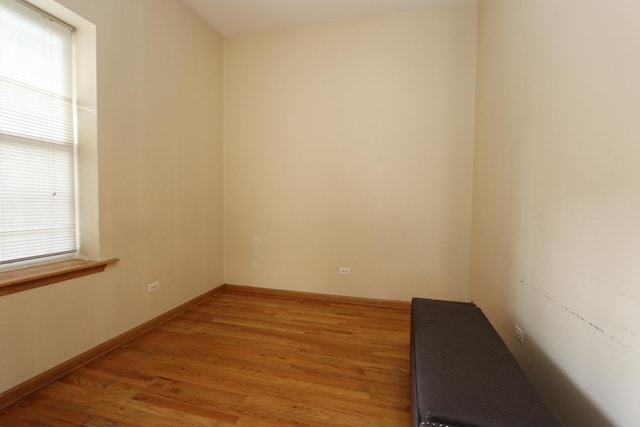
{"x":577,"y":409}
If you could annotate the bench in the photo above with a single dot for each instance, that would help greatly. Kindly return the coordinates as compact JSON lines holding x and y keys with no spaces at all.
{"x":463,"y":374}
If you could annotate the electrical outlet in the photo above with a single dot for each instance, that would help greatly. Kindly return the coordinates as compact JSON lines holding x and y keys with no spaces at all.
{"x":152,"y":287}
{"x":519,"y":333}
{"x":344,"y":270}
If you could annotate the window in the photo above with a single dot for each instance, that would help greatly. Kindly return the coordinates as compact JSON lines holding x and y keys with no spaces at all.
{"x":37,"y":135}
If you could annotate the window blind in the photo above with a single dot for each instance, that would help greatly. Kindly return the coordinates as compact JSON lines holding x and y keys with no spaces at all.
{"x":37,"y":135}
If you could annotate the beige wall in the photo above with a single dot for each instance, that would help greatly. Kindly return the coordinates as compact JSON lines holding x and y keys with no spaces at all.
{"x":159,"y":100}
{"x":556,"y":236}
{"x":351,"y":145}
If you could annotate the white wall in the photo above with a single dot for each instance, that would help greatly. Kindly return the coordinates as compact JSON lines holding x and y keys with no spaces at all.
{"x":159,"y":128}
{"x":556,"y":230}
{"x":350,"y":144}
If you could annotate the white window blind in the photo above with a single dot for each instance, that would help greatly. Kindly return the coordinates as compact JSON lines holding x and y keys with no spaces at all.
{"x":37,"y":135}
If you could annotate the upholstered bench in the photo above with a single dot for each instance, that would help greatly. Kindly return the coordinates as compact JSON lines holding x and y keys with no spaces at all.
{"x":463,"y":374}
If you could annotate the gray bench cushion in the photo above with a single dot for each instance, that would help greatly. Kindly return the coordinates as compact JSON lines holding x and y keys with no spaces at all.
{"x":464,"y":375}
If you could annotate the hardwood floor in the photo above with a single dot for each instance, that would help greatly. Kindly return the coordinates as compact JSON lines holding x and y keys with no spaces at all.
{"x":242,"y":360}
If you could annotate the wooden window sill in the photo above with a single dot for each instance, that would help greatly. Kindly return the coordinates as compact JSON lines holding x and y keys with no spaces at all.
{"x":22,"y":279}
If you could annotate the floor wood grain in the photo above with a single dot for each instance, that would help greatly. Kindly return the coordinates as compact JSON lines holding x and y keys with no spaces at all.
{"x":242,"y":360}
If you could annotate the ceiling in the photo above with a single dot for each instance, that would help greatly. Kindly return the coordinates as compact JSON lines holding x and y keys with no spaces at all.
{"x":241,"y":17}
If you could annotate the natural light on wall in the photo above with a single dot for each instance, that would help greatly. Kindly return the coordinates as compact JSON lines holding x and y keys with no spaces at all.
{"x":37,"y":135}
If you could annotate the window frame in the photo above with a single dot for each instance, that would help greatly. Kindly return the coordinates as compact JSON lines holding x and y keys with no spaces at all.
{"x":19,"y":278}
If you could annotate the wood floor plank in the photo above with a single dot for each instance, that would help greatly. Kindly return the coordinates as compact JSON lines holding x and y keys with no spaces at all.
{"x":242,"y":360}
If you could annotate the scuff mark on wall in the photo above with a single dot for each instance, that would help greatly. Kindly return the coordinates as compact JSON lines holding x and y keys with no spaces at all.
{"x":256,"y":242}
{"x":578,"y":316}
{"x":573,"y":313}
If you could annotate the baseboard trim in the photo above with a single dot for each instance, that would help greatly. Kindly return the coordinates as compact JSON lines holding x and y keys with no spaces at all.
{"x":336,"y":299}
{"x":24,"y":389}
